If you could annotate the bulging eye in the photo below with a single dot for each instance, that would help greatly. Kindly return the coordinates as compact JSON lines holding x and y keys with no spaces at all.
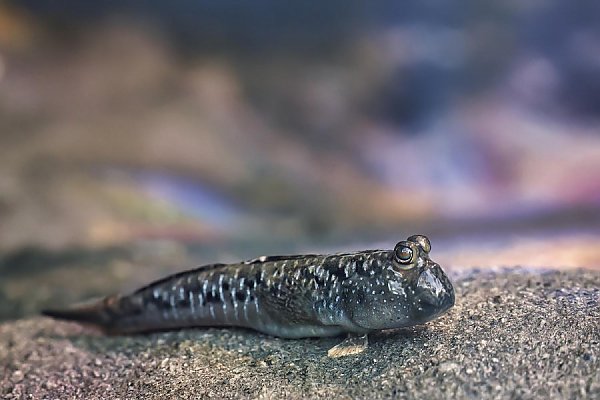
{"x":422,"y":241}
{"x":406,"y":254}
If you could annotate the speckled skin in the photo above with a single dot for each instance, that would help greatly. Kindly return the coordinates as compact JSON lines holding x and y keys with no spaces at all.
{"x":287,"y":296}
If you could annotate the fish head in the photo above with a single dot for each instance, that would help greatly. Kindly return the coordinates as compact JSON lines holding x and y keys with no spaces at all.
{"x":411,"y":290}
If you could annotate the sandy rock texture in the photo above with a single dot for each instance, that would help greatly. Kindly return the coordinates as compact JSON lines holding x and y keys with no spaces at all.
{"x":514,"y":333}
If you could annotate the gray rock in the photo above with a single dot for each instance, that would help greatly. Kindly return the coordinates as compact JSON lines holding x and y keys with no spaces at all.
{"x":513,"y":334}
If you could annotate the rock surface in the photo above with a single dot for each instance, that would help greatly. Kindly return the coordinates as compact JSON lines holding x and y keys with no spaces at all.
{"x":513,"y":334}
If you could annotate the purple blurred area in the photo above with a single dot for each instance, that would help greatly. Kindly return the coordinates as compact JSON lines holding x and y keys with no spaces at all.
{"x":286,"y":127}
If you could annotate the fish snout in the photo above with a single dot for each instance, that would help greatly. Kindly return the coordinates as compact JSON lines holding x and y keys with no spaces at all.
{"x":435,"y":290}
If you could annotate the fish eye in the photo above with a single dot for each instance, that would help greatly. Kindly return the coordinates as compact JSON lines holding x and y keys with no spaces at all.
{"x":422,"y":241}
{"x":406,"y":254}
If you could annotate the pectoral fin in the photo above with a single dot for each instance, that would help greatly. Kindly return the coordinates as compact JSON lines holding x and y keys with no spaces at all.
{"x":352,"y":345}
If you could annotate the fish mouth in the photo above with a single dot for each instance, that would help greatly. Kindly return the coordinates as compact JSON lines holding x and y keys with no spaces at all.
{"x":438,"y":304}
{"x":437,"y":293}
{"x":431,"y":307}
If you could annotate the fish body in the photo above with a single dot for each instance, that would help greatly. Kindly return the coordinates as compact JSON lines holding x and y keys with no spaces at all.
{"x":287,"y":296}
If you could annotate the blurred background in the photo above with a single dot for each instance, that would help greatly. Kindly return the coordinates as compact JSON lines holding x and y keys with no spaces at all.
{"x":138,"y":140}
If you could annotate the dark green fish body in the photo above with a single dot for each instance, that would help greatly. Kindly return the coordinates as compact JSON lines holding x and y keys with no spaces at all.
{"x":287,"y":296}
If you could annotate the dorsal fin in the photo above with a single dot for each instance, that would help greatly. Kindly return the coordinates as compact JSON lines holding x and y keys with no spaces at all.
{"x":180,"y":274}
{"x":258,"y":260}
{"x":265,"y":259}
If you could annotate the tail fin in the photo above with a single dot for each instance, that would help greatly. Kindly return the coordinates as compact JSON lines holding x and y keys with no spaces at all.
{"x":102,"y":314}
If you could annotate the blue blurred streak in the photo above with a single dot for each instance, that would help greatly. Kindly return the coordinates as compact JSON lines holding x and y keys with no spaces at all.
{"x":189,"y":196}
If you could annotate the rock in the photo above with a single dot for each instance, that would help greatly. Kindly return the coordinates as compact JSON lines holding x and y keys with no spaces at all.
{"x":513,"y":333}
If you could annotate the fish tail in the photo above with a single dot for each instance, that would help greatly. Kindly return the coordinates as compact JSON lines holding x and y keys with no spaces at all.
{"x":103,"y":313}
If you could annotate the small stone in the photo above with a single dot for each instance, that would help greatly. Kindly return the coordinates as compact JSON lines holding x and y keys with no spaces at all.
{"x":17,"y":376}
{"x":448,"y":366}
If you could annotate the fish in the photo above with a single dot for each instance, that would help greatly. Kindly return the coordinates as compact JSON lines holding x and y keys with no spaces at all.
{"x":292,"y":297}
